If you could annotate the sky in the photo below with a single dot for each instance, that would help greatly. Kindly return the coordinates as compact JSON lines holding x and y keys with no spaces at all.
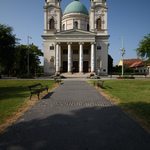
{"x":129,"y":19}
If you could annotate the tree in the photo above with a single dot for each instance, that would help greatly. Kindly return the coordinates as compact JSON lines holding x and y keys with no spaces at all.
{"x":7,"y":47}
{"x":143,"y":50}
{"x":22,"y":57}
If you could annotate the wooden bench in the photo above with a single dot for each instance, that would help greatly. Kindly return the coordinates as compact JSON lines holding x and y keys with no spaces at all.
{"x":37,"y":89}
{"x":99,"y":83}
{"x":57,"y":80}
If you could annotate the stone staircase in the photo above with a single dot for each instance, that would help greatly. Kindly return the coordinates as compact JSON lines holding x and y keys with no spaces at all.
{"x":75,"y":75}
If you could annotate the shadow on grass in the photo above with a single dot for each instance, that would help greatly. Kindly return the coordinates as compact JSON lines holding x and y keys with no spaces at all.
{"x":89,"y":128}
{"x":108,"y":87}
{"x":140,"y":108}
{"x":10,"y":92}
{"x":19,"y":88}
{"x":103,"y":88}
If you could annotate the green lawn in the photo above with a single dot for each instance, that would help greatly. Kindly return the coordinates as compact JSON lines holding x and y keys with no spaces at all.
{"x":131,"y":95}
{"x":13,"y":95}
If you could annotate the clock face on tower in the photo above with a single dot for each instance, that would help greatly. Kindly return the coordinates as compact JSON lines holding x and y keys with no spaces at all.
{"x":99,"y":12}
{"x":52,"y":12}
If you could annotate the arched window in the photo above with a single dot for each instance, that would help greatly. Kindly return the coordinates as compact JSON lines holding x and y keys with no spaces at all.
{"x":88,"y":28}
{"x":99,"y":24}
{"x":51,"y":24}
{"x":76,"y":25}
{"x":63,"y":27}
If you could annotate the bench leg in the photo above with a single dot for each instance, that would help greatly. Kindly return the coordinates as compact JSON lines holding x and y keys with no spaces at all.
{"x":38,"y":95}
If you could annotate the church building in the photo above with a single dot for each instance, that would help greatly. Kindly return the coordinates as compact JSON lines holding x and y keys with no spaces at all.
{"x":75,"y":40}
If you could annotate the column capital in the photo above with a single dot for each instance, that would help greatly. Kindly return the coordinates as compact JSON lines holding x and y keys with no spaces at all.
{"x":57,"y":43}
{"x":81,"y":43}
{"x":69,"y":43}
{"x":93,"y":43}
{"x":92,"y":10}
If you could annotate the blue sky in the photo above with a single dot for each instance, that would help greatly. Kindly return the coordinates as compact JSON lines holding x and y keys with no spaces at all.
{"x":127,"y":18}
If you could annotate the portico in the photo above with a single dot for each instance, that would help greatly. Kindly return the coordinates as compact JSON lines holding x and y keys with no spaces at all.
{"x":75,"y":57}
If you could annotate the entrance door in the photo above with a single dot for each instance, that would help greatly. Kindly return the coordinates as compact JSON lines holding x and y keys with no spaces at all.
{"x":75,"y":66}
{"x":85,"y":66}
{"x":65,"y":66}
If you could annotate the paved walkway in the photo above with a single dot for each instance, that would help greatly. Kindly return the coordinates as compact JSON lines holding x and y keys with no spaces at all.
{"x":75,"y":117}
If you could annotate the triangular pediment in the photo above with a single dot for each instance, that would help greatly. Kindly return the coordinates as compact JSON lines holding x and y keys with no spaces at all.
{"x":75,"y":32}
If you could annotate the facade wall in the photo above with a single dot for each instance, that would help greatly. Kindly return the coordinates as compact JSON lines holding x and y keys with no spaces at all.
{"x":101,"y":56}
{"x":49,"y":57}
{"x":143,"y":69}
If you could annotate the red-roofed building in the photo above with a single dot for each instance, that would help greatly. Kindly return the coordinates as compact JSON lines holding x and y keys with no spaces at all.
{"x":138,"y":65}
{"x":128,"y":62}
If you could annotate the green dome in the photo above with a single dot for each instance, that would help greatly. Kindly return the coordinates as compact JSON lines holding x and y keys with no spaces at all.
{"x":76,"y":7}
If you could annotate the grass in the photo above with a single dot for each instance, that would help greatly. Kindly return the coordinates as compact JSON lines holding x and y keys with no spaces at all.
{"x":133,"y":96}
{"x":14,"y":96}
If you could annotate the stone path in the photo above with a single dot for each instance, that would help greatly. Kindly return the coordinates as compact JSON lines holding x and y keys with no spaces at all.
{"x":75,"y":116}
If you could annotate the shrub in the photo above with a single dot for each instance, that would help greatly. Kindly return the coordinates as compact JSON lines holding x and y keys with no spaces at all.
{"x":38,"y":74}
{"x":57,"y":74}
{"x":26,"y":76}
{"x":59,"y":77}
{"x":92,"y":77}
{"x":125,"y":77}
{"x":92,"y":74}
{"x":95,"y":77}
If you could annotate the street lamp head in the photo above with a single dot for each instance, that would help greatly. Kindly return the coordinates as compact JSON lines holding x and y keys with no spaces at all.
{"x":29,"y":37}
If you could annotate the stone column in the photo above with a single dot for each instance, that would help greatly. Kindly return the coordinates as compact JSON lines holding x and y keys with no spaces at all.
{"x":60,"y":58}
{"x":92,"y":57}
{"x":69,"y":58}
{"x":57,"y":58}
{"x":81,"y":58}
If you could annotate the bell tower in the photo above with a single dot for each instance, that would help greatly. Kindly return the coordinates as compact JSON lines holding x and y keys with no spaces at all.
{"x":98,"y":16}
{"x":52,"y":16}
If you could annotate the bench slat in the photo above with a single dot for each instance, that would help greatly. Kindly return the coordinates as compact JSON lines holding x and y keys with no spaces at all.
{"x":34,"y":85}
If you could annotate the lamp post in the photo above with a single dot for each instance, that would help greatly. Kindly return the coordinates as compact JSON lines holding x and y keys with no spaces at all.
{"x":122,"y":54}
{"x":28,"y":52}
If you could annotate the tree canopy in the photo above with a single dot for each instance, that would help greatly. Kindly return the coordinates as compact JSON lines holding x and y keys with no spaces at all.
{"x":13,"y":57}
{"x":143,"y":50}
{"x":7,"y":46}
{"x":22,"y":57}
